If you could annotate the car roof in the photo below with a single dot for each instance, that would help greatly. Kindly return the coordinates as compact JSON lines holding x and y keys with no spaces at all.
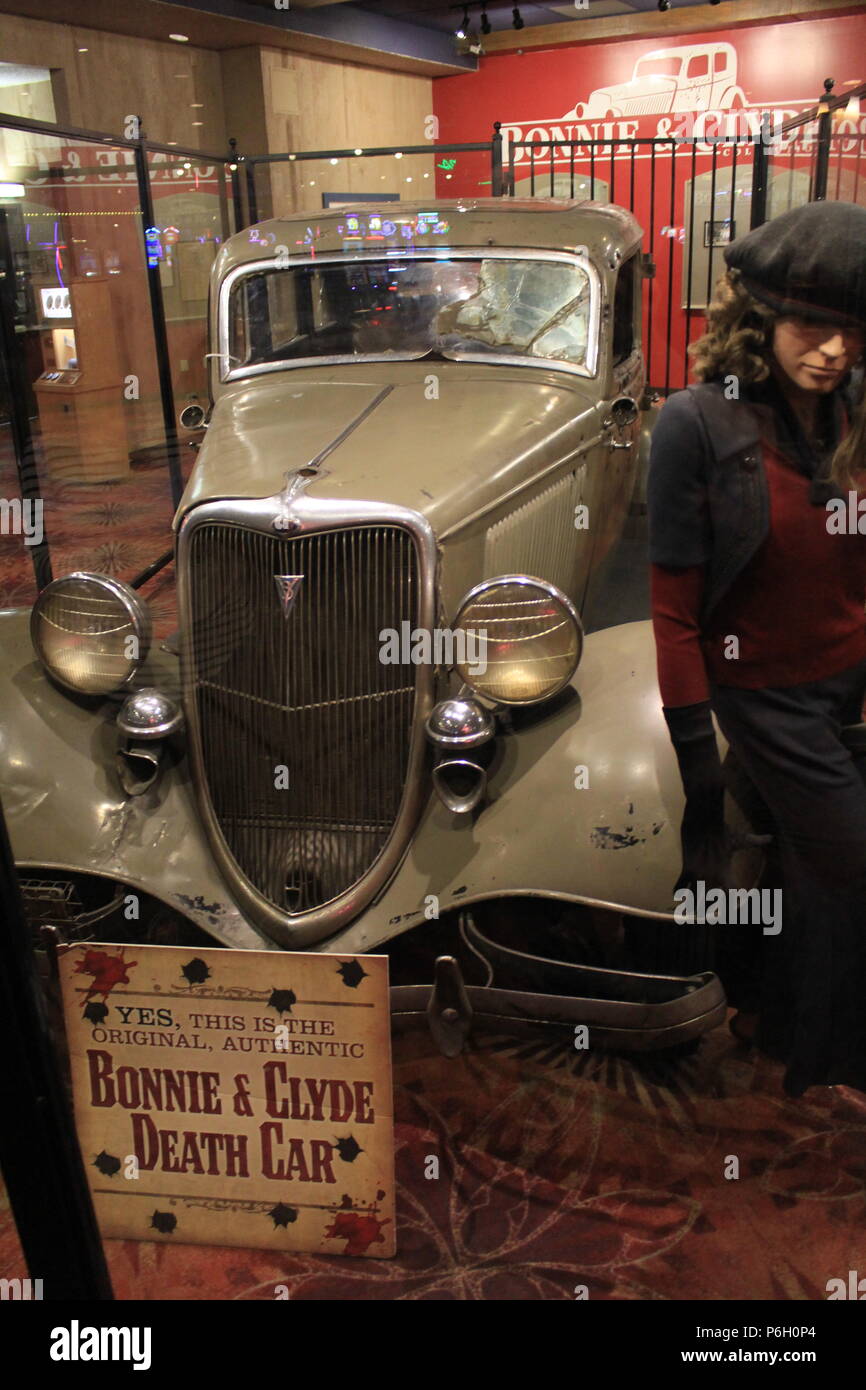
{"x":608,"y":232}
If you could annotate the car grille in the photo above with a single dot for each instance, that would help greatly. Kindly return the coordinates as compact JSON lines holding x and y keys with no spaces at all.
{"x":301,"y":697}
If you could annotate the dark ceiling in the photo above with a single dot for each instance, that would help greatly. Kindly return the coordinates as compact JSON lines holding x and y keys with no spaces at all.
{"x":445,"y":15}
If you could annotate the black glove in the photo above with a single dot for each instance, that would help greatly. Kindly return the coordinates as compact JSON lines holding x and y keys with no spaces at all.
{"x":705,"y":839}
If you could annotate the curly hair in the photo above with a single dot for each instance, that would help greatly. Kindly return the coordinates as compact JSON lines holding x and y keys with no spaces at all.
{"x":738,"y":335}
{"x":738,"y":342}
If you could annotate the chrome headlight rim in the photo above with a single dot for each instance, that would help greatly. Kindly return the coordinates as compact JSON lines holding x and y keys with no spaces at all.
{"x":552,"y":592}
{"x":139,"y":617}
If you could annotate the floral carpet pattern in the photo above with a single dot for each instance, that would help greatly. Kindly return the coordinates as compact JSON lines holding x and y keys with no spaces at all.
{"x":563,"y":1176}
{"x":116,"y":528}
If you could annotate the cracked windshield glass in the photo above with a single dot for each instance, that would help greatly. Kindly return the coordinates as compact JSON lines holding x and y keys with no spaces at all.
{"x":510,"y":307}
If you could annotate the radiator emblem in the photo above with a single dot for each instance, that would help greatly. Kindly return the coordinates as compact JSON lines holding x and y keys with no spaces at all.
{"x":287,"y":588}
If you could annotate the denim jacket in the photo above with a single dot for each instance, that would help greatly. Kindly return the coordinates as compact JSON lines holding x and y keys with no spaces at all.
{"x":707,"y":493}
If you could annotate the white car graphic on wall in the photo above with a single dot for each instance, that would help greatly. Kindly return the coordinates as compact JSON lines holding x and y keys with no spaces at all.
{"x":698,"y":77}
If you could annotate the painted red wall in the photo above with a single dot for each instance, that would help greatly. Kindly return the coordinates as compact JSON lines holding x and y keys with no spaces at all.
{"x":543,"y":94}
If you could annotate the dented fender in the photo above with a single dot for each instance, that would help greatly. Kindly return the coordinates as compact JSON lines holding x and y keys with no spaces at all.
{"x":584,"y":804}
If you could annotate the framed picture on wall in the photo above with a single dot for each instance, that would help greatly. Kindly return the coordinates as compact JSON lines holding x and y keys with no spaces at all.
{"x":719,"y":233}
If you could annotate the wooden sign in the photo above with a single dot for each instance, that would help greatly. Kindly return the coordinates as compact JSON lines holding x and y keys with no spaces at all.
{"x":234,"y":1097}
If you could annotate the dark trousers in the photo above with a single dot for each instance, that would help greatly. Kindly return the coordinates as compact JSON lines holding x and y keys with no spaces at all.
{"x":809,"y":982}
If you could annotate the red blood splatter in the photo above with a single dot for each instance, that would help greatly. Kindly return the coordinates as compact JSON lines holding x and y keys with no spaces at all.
{"x":358,"y":1229}
{"x":107,"y":971}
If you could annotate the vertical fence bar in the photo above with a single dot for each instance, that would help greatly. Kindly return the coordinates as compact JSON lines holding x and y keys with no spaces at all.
{"x":760,"y":171}
{"x":822,"y":160}
{"x":633,"y":148}
{"x":712,"y":224}
{"x":237,"y":202}
{"x":13,"y":375}
{"x":673,"y":153}
{"x":612,"y":171}
{"x":652,"y":235}
{"x":496,"y":160}
{"x":688,"y":295}
{"x":252,"y":205}
{"x":160,"y":332}
{"x":571,"y":164}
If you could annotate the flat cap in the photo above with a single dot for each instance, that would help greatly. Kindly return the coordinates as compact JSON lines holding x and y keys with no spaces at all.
{"x":809,"y":262}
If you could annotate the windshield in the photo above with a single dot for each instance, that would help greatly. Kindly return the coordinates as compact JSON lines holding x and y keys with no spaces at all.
{"x":658,"y":67}
{"x":346,"y":309}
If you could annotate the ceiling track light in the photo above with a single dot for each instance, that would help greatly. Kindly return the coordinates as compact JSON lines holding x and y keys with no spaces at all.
{"x":463,"y":28}
{"x":666,"y":4}
{"x":516,"y":21}
{"x":486,"y":26}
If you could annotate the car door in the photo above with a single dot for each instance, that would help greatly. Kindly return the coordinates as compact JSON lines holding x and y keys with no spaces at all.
{"x":616,"y":462}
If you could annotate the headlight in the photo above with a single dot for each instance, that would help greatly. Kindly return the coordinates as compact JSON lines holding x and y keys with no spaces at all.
{"x":522,"y":639}
{"x":90,"y":632}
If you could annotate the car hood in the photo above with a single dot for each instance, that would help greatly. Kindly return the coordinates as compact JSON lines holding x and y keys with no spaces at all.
{"x":445,"y":439}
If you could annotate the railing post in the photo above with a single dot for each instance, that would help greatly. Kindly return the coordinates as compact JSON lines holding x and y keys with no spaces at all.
{"x":825,"y":130}
{"x":252,"y":206}
{"x":760,"y":169}
{"x":237,"y":202}
{"x":496,"y":160}
{"x":13,"y":377}
{"x":160,"y":332}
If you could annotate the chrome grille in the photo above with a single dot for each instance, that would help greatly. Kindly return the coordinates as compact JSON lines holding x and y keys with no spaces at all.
{"x":304,"y":691}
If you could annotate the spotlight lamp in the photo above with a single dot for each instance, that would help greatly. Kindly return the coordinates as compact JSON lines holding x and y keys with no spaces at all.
{"x":666,"y":4}
{"x":463,"y":27}
{"x":516,"y":22}
{"x":486,"y":26}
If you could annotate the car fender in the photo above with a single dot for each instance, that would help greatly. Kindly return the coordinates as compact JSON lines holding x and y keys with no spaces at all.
{"x":585,"y":803}
{"x":65,"y":808}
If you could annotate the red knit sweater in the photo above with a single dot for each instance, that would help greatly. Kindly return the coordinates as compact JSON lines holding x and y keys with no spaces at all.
{"x":796,"y":610}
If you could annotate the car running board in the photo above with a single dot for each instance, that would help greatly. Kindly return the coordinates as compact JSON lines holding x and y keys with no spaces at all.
{"x":625,"y":1011}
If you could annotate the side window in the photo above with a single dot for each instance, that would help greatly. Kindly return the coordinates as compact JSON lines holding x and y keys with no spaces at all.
{"x":623,"y":311}
{"x":720,"y":61}
{"x":699,"y":66}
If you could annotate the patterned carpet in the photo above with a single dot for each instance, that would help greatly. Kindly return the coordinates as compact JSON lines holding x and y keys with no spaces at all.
{"x":557,"y":1172}
{"x":115,"y":528}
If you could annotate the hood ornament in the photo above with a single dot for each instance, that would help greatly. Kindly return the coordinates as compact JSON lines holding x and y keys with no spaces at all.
{"x":287,"y":588}
{"x":295,"y":484}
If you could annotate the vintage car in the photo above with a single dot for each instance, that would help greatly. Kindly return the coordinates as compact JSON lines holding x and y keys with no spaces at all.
{"x":382,"y":715}
{"x":692,"y":77}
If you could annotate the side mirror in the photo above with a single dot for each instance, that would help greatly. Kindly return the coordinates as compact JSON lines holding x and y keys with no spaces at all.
{"x":192,"y":417}
{"x":623,"y":413}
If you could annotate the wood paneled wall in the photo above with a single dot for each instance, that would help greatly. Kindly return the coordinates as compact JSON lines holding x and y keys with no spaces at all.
{"x":314,"y":103}
{"x":120,"y":76}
